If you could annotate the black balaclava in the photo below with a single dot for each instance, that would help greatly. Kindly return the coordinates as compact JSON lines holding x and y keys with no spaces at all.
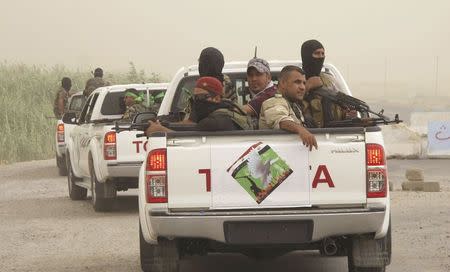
{"x":98,"y":72}
{"x":210,"y":63}
{"x":201,"y":109}
{"x":312,"y":66}
{"x":66,"y":83}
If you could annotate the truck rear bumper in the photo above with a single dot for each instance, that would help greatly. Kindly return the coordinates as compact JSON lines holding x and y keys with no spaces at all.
{"x":213,"y":225}
{"x":124,"y":169}
{"x":60,"y":150}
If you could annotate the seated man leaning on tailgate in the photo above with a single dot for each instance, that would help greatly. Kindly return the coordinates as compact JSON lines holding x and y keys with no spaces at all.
{"x":211,"y":113}
{"x":282,"y":111}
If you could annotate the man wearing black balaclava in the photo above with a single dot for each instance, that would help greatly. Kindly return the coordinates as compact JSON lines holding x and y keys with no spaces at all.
{"x":313,"y":56}
{"x":322,"y":111}
{"x":210,"y":63}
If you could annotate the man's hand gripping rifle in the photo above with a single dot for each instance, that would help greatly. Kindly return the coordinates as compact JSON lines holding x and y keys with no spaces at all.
{"x":350,"y":103}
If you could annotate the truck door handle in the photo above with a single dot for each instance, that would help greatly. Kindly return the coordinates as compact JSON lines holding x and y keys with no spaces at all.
{"x":350,"y":138}
{"x":179,"y":142}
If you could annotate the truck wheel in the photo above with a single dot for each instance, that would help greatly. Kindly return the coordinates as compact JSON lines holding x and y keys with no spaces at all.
{"x":163,"y":257}
{"x":75,"y":192}
{"x":370,"y":255}
{"x":103,"y":193}
{"x":61,"y":164}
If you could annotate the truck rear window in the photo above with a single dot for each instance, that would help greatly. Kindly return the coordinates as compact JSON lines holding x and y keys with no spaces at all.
{"x":113,"y":103}
{"x":77,"y":103}
{"x":187,"y":84}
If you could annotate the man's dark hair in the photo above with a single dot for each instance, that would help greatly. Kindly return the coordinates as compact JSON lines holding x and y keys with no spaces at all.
{"x":66,"y":83}
{"x":98,"y":72}
{"x":287,"y":70}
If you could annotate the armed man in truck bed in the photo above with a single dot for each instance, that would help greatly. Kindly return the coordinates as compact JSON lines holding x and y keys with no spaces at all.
{"x":133,"y":101}
{"x":95,"y":82}
{"x":282,"y":110}
{"x":62,"y":96}
{"x":322,"y":110}
{"x":210,"y":111}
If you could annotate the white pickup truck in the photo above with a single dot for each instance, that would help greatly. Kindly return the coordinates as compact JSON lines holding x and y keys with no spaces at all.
{"x":262,"y":193}
{"x":97,"y":158}
{"x":75,"y":105}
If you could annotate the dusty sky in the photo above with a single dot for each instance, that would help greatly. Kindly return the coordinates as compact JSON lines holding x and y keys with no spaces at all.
{"x":162,"y":36}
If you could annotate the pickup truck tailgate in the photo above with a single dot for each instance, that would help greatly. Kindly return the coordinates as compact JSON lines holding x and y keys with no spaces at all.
{"x":265,"y":171}
{"x":129,"y":148}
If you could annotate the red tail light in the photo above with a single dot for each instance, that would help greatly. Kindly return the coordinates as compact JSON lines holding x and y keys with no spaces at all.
{"x":60,"y":133}
{"x":156,"y":160}
{"x":376,"y":171}
{"x":110,"y":146}
{"x":375,"y":155}
{"x":156,"y":176}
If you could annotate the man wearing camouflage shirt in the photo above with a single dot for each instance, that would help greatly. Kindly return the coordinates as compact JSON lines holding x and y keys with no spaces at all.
{"x":62,"y":96}
{"x":133,"y":101}
{"x":95,"y":82}
{"x":282,"y":110}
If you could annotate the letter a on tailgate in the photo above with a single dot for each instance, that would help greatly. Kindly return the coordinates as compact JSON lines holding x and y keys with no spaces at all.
{"x":322,"y":169}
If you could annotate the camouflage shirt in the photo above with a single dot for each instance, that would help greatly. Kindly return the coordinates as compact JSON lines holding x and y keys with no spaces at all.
{"x":92,"y":84}
{"x":132,"y":111}
{"x":275,"y":110}
{"x":61,"y":95}
{"x":323,"y":111}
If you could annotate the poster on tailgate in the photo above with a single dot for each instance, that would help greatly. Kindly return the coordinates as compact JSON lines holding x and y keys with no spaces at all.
{"x":259,"y":175}
{"x":259,"y":171}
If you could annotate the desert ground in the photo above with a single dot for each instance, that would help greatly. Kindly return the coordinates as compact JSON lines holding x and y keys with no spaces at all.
{"x":41,"y":229}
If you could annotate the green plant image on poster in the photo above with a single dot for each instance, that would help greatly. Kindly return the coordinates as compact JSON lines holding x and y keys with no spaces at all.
{"x":260,"y":170}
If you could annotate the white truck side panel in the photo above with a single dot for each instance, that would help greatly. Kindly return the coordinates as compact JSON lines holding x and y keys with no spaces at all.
{"x":187,"y":185}
{"x":149,"y":234}
{"x":377,"y":138}
{"x":345,"y":164}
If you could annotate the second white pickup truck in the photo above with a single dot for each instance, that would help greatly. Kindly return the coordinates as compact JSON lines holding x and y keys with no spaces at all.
{"x":99,"y":159}
{"x":262,"y":193}
{"x":74,"y":105}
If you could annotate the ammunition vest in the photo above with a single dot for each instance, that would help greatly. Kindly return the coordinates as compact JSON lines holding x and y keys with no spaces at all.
{"x":237,"y":115}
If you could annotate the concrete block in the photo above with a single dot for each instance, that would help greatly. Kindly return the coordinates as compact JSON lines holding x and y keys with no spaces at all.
{"x":431,"y":187}
{"x":401,"y":142}
{"x":414,"y":174}
{"x":412,"y":186}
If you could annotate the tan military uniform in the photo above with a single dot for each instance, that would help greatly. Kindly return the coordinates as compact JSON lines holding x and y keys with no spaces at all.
{"x":334,"y":112}
{"x":64,"y":95}
{"x":132,"y":111}
{"x":92,"y":84}
{"x":275,"y":110}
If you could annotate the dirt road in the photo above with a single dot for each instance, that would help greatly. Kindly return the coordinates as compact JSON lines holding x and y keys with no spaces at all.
{"x":41,"y":229}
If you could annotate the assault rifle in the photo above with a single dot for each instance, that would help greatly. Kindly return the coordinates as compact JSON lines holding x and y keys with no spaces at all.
{"x":141,"y":122}
{"x":350,"y":103}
